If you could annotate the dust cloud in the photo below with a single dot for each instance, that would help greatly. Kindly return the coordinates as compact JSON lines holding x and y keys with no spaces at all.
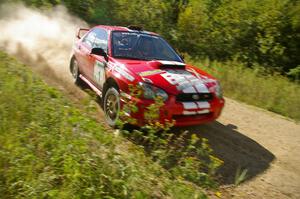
{"x":42,"y":39}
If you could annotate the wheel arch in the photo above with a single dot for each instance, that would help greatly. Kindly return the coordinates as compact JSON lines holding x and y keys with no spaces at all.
{"x":110,"y":82}
{"x":71,"y":62}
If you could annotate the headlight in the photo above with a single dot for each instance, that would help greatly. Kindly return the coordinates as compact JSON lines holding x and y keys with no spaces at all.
{"x":218,"y":90}
{"x":151,"y":92}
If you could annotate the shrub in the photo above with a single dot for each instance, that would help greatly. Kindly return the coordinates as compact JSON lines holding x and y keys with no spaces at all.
{"x":185,"y":156}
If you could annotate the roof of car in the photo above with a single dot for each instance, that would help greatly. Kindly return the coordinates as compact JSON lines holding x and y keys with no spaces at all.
{"x":121,"y":28}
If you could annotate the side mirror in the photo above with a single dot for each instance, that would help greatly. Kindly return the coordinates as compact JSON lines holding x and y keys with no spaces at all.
{"x":100,"y":52}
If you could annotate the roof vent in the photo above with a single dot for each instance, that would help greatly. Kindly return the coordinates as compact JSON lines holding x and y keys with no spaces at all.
{"x":135,"y":27}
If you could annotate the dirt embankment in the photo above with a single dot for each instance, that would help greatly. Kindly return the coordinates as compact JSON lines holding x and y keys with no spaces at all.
{"x":245,"y":137}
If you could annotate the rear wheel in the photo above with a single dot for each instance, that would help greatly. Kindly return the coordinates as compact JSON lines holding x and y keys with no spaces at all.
{"x":111,"y":106}
{"x":75,"y":71}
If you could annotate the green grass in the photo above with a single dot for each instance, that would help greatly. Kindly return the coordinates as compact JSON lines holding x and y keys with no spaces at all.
{"x":256,"y":87}
{"x":51,"y":149}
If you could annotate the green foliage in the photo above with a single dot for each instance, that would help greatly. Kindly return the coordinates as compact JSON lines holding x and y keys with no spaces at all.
{"x":295,"y":73}
{"x":264,"y":32}
{"x":153,"y":15}
{"x":252,"y":31}
{"x":240,"y":176}
{"x":256,"y":86}
{"x":50,"y":149}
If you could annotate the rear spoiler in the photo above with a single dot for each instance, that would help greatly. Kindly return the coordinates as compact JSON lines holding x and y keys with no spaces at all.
{"x":81,"y":32}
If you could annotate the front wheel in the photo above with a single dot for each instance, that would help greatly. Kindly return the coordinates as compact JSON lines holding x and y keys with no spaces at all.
{"x":111,"y":106}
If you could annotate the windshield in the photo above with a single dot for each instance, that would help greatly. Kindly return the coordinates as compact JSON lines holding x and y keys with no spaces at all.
{"x":132,"y":45}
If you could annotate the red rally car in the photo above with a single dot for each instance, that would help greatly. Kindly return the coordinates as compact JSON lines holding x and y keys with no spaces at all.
{"x":110,"y":58}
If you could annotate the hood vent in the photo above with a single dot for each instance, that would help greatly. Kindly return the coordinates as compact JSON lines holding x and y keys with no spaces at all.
{"x":172,"y":65}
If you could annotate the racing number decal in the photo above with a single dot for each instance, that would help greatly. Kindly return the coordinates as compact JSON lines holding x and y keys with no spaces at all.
{"x":99,"y":73}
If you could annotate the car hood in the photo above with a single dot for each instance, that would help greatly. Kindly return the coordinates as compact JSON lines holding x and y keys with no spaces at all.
{"x":173,"y":77}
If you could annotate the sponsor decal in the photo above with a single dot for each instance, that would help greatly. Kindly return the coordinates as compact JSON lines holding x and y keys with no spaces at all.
{"x":119,"y":69}
{"x":124,"y":73}
{"x":150,"y":72}
{"x":111,"y":66}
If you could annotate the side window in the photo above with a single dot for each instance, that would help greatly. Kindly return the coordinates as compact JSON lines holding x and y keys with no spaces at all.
{"x":89,"y":38}
{"x":101,"y":39}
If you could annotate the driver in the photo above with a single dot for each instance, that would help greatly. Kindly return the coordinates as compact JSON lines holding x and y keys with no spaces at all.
{"x":146,"y":48}
{"x":121,"y":45}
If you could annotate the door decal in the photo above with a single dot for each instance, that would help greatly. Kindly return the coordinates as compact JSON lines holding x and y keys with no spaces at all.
{"x":99,"y":73}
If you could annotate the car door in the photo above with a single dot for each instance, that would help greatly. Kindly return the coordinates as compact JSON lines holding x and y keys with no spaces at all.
{"x":97,"y":68}
{"x":83,"y":56}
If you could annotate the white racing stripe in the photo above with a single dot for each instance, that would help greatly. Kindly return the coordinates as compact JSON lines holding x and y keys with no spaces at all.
{"x":195,"y":112}
{"x":190,"y":105}
{"x":196,"y":105}
{"x":189,"y":89}
{"x":189,"y":112}
{"x":202,"y":105}
{"x":185,"y":81}
{"x":201,"y":88}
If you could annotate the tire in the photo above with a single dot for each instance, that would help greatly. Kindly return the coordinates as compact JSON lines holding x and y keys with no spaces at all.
{"x":111,"y":106}
{"x":74,"y":68}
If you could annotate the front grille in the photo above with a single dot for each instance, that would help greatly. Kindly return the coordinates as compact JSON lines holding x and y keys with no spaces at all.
{"x":194,"y":97}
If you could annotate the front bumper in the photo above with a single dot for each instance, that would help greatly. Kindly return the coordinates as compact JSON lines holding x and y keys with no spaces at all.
{"x":183,"y":113}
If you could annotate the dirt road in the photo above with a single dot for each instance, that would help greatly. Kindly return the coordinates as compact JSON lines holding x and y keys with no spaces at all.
{"x":265,"y":144}
{"x":281,"y":140}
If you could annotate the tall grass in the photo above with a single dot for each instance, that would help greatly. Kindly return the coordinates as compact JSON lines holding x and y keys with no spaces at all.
{"x":256,"y":86}
{"x":50,"y":149}
{"x":184,"y":155}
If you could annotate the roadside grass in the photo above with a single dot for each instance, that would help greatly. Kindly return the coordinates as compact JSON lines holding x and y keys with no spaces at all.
{"x":255,"y":86}
{"x":50,"y":149}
